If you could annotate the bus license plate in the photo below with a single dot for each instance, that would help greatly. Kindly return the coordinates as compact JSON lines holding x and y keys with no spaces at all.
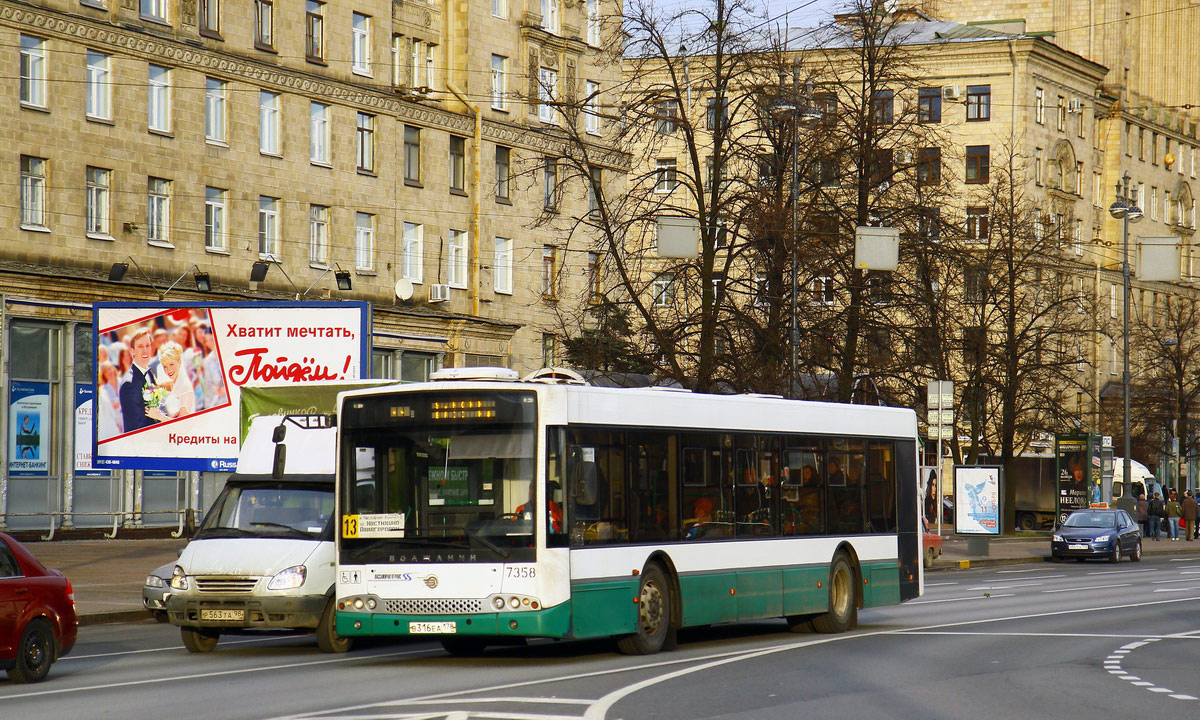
{"x":1077,"y":547}
{"x":238,"y":615}
{"x":426,"y":628}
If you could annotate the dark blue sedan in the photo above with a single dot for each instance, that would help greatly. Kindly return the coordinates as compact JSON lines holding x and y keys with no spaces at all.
{"x":1109,"y":534}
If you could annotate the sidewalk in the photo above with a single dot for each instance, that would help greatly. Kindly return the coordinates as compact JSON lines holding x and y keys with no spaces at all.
{"x":1014,"y":551}
{"x":107,"y":574}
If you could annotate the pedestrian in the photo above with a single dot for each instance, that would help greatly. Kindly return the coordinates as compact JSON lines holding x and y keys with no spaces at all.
{"x":1190,"y":509}
{"x":1143,"y":514}
{"x":1155,"y":512}
{"x":1174,"y":512}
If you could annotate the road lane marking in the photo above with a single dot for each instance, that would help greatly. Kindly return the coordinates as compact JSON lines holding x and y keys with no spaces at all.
{"x":215,"y":673}
{"x":1181,"y":696}
{"x":1024,"y":634}
{"x":939,"y":584}
{"x":981,"y":597}
{"x":1120,"y":572}
{"x":1087,"y":587}
{"x":1006,"y":587}
{"x":599,"y":710}
{"x":1164,"y":582}
{"x":175,"y":647}
{"x":1185,"y":589}
{"x":1037,"y":577}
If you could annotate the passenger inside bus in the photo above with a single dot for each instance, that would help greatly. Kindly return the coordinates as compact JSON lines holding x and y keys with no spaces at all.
{"x":701,"y":521}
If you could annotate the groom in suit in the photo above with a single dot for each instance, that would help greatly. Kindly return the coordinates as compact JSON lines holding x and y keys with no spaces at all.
{"x":133,"y":407}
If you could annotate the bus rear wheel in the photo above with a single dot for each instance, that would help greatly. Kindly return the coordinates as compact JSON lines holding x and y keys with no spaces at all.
{"x":653,"y":616}
{"x":843,"y":599}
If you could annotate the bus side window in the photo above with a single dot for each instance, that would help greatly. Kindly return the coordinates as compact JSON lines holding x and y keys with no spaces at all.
{"x":581,"y":473}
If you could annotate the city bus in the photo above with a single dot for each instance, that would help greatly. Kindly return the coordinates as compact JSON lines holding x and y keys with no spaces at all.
{"x":480,"y":509}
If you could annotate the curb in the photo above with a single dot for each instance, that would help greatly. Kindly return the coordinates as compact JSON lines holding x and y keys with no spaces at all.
{"x":114,"y":616}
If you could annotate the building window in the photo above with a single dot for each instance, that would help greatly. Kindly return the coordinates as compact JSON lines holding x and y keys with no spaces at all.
{"x":668,"y":117}
{"x":547,"y":95}
{"x":458,"y":163}
{"x":502,"y":265}
{"x":716,"y":113}
{"x":364,"y":241}
{"x":1062,"y":113}
{"x":360,"y":46}
{"x":594,"y":279}
{"x":664,"y":175}
{"x":268,"y":227}
{"x":264,"y":24}
{"x":96,"y":218}
{"x":821,"y":290}
{"x":158,"y":210}
{"x":365,"y":157}
{"x":210,"y":18}
{"x":549,"y":271}
{"x":314,"y":31}
{"x":595,"y":178}
{"x":412,"y":154}
{"x":503,"y":159}
{"x":929,"y":166}
{"x":979,"y":103}
{"x":456,"y":259}
{"x":550,"y":16}
{"x":214,"y":110}
{"x":593,"y":22}
{"x":410,"y":254}
{"x":500,"y":8}
{"x":977,"y":163}
{"x":214,"y":219}
{"x":591,"y":104}
{"x":318,"y":145}
{"x":663,"y":290}
{"x":33,"y":71}
{"x":159,"y":100}
{"x":929,"y":105}
{"x":499,"y":88}
{"x":549,"y":349}
{"x":975,"y":285}
{"x":318,"y":235}
{"x":929,"y":224}
{"x":99,"y":90}
{"x":1039,"y":106}
{"x":33,"y":191}
{"x":154,"y":10}
{"x":550,"y":183}
{"x":978,"y":224}
{"x":882,"y":107}
{"x":268,"y":123}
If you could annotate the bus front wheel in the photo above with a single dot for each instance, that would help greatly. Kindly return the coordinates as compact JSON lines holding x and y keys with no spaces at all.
{"x":843,"y":600}
{"x":653,"y":615}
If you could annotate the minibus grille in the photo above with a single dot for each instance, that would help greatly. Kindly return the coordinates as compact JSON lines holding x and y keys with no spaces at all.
{"x":225,"y":584}
{"x":448,"y":606}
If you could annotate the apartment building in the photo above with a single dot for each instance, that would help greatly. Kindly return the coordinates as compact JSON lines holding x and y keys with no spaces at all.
{"x":283,"y":150}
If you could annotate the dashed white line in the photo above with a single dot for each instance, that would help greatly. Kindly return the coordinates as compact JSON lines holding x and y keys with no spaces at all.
{"x":1087,"y":587}
{"x":980,"y":597}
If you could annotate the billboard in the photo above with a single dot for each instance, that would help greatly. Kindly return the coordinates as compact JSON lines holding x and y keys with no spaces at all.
{"x":168,"y":376}
{"x":1079,"y":472}
{"x":977,"y":500}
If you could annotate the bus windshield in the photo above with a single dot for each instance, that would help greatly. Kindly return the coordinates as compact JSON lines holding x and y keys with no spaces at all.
{"x":445,"y":475}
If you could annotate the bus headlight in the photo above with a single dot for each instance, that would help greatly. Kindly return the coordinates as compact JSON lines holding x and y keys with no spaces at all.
{"x":288,"y":578}
{"x":498,"y":602}
{"x":514,"y":603}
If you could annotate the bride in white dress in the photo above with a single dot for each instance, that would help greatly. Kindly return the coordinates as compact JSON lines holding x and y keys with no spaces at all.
{"x":181,"y":397}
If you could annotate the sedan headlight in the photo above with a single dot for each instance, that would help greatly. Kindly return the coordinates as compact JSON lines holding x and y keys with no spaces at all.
{"x":1102,"y":538}
{"x":289,"y":578}
{"x":154,"y":581}
{"x":179,"y":580}
{"x":1057,"y":538}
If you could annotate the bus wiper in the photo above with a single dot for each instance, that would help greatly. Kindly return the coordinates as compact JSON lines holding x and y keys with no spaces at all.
{"x":502,"y":552}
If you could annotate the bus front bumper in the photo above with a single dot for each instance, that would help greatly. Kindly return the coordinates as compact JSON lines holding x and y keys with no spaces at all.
{"x":550,"y":622}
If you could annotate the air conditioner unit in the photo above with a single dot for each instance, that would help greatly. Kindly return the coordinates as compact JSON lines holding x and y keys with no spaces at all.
{"x":950,"y":92}
{"x":1075,"y":106}
{"x":439,"y":292}
{"x":904,"y":157}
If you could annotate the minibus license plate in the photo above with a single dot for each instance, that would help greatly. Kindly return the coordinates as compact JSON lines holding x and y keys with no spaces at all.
{"x":423,"y":628}
{"x":223,"y":615}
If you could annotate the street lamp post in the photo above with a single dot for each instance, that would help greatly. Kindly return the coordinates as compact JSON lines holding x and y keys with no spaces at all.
{"x":1125,"y":209}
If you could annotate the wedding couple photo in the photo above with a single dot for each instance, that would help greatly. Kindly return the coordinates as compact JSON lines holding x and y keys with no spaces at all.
{"x":157,"y":370}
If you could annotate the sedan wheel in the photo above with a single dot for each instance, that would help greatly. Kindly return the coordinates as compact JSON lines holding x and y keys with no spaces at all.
{"x":1136,"y":555}
{"x":35,"y":652}
{"x":1116,"y":552}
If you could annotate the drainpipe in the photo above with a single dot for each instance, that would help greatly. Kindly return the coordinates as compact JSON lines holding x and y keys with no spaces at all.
{"x":473,"y":269}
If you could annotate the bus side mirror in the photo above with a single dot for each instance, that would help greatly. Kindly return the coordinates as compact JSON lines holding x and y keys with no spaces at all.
{"x":280,"y":461}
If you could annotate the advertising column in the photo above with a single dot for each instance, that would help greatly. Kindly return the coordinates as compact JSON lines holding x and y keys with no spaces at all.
{"x":1078,"y":471}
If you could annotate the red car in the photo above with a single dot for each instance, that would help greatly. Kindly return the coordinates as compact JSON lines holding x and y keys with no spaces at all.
{"x":37,"y":614}
{"x":931,"y":542}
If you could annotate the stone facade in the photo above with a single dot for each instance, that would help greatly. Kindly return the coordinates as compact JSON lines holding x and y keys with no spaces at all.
{"x":386,"y":65}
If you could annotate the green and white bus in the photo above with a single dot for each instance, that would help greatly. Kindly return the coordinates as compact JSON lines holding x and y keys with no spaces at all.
{"x":481,"y":509}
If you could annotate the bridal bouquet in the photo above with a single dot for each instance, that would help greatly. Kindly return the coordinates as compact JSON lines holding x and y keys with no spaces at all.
{"x":154,"y":395}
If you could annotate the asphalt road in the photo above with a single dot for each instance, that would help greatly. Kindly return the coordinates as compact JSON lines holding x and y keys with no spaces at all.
{"x":1071,"y":640}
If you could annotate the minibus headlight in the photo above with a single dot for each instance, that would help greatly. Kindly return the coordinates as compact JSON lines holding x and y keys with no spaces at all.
{"x":289,"y":578}
{"x":179,"y":580}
